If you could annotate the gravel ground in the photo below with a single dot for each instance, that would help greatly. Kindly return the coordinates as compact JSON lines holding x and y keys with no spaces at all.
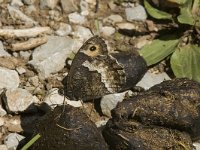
{"x":38,"y":40}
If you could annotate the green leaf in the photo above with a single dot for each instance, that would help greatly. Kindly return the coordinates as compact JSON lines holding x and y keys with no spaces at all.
{"x":195,"y":12}
{"x":159,"y":49}
{"x":185,"y":62}
{"x":180,"y":2}
{"x":31,"y":142}
{"x":186,"y":16}
{"x":155,"y":13}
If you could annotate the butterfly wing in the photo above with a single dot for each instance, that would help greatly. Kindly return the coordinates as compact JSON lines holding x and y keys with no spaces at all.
{"x":80,"y":80}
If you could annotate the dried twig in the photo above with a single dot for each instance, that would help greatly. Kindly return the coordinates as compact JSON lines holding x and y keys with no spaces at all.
{"x":17,"y":33}
{"x":27,"y":45}
{"x":17,"y":14}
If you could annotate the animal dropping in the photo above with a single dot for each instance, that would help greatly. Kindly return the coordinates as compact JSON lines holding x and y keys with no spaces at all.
{"x":95,"y":73}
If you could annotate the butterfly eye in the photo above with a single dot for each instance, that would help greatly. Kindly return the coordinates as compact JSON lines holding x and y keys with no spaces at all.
{"x":93,"y":48}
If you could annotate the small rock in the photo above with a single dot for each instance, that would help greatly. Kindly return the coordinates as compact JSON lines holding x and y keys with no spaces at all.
{"x":76,"y":18}
{"x":151,"y":25}
{"x":13,"y":140}
{"x":54,"y":99}
{"x":64,"y":29}
{"x":92,"y":2}
{"x":113,"y":19}
{"x":3,"y":147}
{"x":2,"y":111}
{"x":29,"y":2}
{"x":101,"y":123}
{"x":13,"y":124}
{"x":55,"y":15}
{"x":141,"y":41}
{"x":69,"y":6}
{"x":20,"y":70}
{"x":16,"y":3}
{"x":108,"y":102}
{"x":151,"y":79}
{"x":50,"y":57}
{"x":112,"y":5}
{"x":18,"y":100}
{"x":11,"y":62}
{"x":84,"y":8}
{"x":137,"y":13}
{"x":107,"y":30}
{"x":16,"y":14}
{"x":196,"y":146}
{"x":2,"y":121}
{"x":9,"y":78}
{"x":2,"y":51}
{"x":34,"y":81}
{"x":30,"y":9}
{"x":48,"y":4}
{"x":82,"y":33}
{"x":25,"y":54}
{"x":126,"y":25}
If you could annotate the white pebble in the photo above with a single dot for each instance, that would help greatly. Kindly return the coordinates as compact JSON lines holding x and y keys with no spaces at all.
{"x":64,"y":29}
{"x":107,"y":30}
{"x":137,"y":13}
{"x":12,"y":140}
{"x":18,"y":100}
{"x":20,"y":70}
{"x":76,"y":18}
{"x":8,"y":78}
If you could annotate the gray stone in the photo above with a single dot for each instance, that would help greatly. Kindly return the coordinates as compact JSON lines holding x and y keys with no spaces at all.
{"x":151,"y":79}
{"x":3,"y":147}
{"x":76,"y":18}
{"x":2,"y":121}
{"x":2,"y":51}
{"x":84,"y":8}
{"x":30,"y":9}
{"x":82,"y":33}
{"x":2,"y":111}
{"x":12,"y":140}
{"x":8,"y":78}
{"x":16,"y":14}
{"x":64,"y":29}
{"x":107,"y":30}
{"x":55,"y":15}
{"x":69,"y":6}
{"x":126,"y":25}
{"x":34,"y":81}
{"x":48,"y":4}
{"x":13,"y":124}
{"x":18,"y":100}
{"x":142,"y":41}
{"x":137,"y":13}
{"x":29,"y":2}
{"x":50,"y":57}
{"x":25,"y":54}
{"x":16,"y":3}
{"x":113,"y":19}
{"x":196,"y":146}
{"x":101,"y":122}
{"x":53,"y":98}
{"x":108,"y":102}
{"x":21,"y":70}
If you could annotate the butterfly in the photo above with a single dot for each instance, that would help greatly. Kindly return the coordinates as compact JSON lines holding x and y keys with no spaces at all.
{"x":95,"y":73}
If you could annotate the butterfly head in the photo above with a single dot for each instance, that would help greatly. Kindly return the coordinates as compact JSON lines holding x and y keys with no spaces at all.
{"x":94,"y":47}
